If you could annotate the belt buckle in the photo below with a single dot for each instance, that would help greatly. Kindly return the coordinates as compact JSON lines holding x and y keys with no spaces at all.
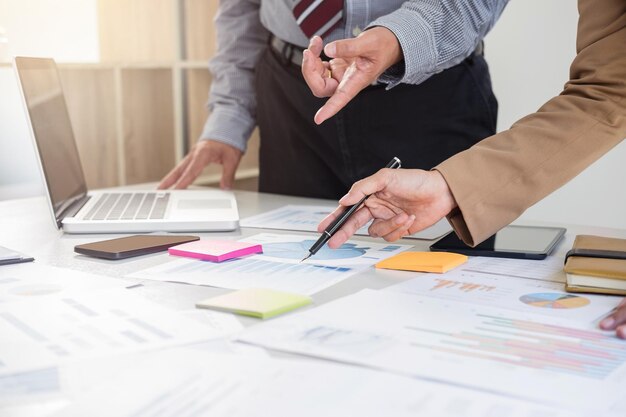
{"x":287,"y":54}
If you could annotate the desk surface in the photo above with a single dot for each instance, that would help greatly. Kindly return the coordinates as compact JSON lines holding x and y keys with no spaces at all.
{"x":26,"y":226}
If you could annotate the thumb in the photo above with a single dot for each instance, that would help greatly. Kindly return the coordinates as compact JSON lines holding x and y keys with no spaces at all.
{"x":367,"y":186}
{"x":346,"y":48}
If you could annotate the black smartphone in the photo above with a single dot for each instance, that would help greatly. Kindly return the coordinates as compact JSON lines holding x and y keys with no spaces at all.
{"x":136,"y":245}
{"x":523,"y":242}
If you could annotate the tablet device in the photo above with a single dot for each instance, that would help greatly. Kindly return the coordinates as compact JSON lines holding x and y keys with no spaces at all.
{"x":525,"y":242}
{"x":127,"y":247}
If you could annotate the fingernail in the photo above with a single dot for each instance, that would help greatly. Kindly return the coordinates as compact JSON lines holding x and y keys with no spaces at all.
{"x":621,"y":333}
{"x":330,"y":50}
{"x":607,"y":323}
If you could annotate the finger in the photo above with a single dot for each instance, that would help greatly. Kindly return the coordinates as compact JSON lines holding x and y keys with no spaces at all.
{"x":385,"y":227}
{"x":367,"y":186}
{"x":189,"y":175}
{"x":346,"y":48}
{"x":352,"y":83}
{"x":614,"y":320}
{"x":316,"y":75}
{"x":173,"y":176}
{"x":330,"y":218}
{"x":350,"y":227}
{"x":316,"y":46}
{"x":401,"y":231}
{"x":229,"y":168}
{"x":621,"y":331}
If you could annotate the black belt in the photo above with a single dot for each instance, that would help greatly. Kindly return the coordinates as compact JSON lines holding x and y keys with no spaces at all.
{"x":289,"y":53}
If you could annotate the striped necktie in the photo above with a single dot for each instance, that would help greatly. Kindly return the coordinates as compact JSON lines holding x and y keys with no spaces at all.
{"x":318,"y":17}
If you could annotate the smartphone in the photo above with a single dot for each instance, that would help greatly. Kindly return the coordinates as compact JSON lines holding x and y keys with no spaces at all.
{"x":522,"y":242}
{"x":136,"y":245}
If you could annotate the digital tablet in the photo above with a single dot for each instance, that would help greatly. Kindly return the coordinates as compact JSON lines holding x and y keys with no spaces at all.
{"x":525,"y":242}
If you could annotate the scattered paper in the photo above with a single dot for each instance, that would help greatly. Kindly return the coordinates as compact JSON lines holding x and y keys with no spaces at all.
{"x":306,"y":219}
{"x":279,"y":267}
{"x":543,"y":359}
{"x":498,"y":290}
{"x":201,"y":384}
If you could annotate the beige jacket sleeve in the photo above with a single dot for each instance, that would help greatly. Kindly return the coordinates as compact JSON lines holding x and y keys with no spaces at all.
{"x":496,"y":180}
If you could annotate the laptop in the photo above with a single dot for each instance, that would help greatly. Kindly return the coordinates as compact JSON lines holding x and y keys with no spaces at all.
{"x":76,"y":209}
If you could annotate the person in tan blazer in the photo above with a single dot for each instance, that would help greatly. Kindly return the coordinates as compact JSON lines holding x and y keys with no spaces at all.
{"x":489,"y":185}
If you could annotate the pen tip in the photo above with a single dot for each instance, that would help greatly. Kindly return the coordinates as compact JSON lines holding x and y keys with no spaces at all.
{"x":305,"y":258}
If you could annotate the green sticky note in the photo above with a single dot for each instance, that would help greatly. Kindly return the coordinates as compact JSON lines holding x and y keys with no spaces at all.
{"x":256,"y":302}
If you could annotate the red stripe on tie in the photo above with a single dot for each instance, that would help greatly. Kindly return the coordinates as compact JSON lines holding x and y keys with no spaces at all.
{"x":320,"y":16}
{"x":301,"y":7}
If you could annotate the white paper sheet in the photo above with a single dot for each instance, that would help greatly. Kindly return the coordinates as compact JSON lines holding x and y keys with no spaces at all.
{"x":34,"y":281}
{"x":279,"y":266}
{"x":306,"y":219}
{"x":71,"y":379}
{"x":45,"y":332}
{"x":549,"y":269}
{"x":544,"y":359}
{"x":209,"y":385}
{"x":499,"y":290}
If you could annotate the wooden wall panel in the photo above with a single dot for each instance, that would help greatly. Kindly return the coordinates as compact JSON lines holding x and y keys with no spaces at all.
{"x":90,"y":96}
{"x":148,"y":124}
{"x":138,"y":30}
{"x":199,"y":32}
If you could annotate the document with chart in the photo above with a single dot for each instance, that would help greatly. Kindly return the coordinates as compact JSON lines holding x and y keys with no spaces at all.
{"x":47,"y":331}
{"x":306,"y":219}
{"x":545,"y":359}
{"x":469,"y":285}
{"x":200,"y":384}
{"x":279,"y":266}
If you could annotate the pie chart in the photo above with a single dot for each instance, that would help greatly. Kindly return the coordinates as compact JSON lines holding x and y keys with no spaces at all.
{"x":554,"y":300}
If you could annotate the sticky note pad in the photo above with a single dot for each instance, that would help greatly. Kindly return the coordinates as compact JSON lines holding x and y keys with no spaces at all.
{"x":215,"y":250}
{"x":256,"y":302}
{"x":423,"y":261}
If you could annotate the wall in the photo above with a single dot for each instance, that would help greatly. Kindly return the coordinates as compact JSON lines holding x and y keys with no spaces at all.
{"x":529,"y":52}
{"x":63,"y":29}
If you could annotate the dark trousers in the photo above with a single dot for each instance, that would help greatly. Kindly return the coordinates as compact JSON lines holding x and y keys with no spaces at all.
{"x":421,"y":124}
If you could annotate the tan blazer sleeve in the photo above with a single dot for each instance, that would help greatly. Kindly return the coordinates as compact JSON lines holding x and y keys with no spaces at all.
{"x":496,"y":180}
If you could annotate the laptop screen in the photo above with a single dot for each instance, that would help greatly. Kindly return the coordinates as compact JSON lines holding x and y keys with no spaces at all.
{"x":52,"y":129}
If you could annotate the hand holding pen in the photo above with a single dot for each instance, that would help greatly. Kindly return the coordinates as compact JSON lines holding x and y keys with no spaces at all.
{"x":336,"y":225}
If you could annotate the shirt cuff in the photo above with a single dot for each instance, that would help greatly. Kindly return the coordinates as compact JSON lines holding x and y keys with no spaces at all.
{"x":228,"y":127}
{"x":417,"y":42}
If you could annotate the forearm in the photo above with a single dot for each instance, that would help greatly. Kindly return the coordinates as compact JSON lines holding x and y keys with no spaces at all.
{"x":498,"y":179}
{"x":232,"y":100}
{"x":436,"y":35}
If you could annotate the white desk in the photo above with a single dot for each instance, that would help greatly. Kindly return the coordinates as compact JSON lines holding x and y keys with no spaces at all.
{"x":26,"y":226}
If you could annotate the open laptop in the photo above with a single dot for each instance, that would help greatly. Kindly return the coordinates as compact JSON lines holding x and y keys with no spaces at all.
{"x":76,"y":210}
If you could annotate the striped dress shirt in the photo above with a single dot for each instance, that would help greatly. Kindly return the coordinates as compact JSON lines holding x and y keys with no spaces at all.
{"x":434,"y":35}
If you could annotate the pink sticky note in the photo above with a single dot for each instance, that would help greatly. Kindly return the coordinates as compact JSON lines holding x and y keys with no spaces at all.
{"x":215,"y":250}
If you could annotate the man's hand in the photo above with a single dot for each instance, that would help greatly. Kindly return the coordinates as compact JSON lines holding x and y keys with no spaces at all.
{"x":355,"y":64}
{"x":616,"y":321}
{"x":401,"y":202}
{"x":202,"y":154}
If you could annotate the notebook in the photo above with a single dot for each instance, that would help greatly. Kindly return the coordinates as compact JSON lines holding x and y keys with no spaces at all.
{"x":596,"y":264}
{"x":74,"y":208}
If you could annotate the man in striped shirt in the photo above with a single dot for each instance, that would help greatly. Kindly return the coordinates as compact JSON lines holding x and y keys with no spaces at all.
{"x":433,"y":103}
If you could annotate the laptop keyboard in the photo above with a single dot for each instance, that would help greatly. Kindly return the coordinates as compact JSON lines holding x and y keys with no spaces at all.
{"x":129,"y":206}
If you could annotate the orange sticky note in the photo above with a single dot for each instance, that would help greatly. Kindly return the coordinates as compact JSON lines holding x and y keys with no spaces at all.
{"x":439,"y":262}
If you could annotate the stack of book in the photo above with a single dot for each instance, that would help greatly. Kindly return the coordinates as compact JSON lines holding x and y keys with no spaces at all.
{"x":596,"y":264}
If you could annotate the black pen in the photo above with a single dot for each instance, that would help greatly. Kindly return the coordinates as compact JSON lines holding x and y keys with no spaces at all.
{"x":343,"y":217}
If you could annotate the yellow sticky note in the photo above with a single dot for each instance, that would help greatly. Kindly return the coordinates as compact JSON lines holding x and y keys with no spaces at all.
{"x":423,"y":261}
{"x":256,"y":302}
